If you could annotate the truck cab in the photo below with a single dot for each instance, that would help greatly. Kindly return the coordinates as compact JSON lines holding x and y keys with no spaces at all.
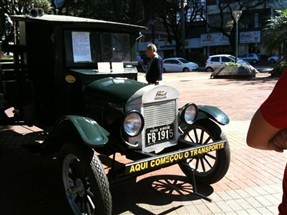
{"x":56,"y":56}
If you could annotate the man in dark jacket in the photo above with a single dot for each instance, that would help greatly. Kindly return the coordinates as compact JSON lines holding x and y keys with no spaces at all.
{"x":155,"y":69}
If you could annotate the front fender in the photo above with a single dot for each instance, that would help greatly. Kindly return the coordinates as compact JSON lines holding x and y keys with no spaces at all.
{"x":76,"y":128}
{"x":206,"y":111}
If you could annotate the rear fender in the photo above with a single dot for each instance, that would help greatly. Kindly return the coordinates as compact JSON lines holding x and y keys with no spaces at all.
{"x":76,"y":129}
{"x":212,"y":112}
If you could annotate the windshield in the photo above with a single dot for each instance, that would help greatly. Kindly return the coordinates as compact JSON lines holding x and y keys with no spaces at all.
{"x":87,"y":48}
{"x":115,"y":47}
{"x":182,"y":60}
{"x":233,"y":58}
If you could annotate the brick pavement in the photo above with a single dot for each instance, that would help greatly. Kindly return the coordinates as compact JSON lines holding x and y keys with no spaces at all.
{"x":251,"y":186}
{"x":253,"y":182}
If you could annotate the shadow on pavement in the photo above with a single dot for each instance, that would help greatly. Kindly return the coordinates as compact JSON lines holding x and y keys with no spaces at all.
{"x":30,"y":183}
{"x":159,"y":190}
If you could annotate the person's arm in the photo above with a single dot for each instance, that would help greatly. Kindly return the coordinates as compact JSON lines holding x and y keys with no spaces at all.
{"x":268,"y":126}
{"x":262,"y":135}
{"x":280,"y":140}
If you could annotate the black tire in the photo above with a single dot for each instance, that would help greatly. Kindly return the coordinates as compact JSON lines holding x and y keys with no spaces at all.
{"x":209,"y":69}
{"x":186,"y":69}
{"x":85,"y":185}
{"x":211,"y":167}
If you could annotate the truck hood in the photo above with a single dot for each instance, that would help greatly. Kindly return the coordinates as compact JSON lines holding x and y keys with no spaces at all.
{"x":115,"y":90}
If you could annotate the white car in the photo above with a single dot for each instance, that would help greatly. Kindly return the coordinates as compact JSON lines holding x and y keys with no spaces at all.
{"x":215,"y":61}
{"x":251,"y":58}
{"x":273,"y":59}
{"x":178,"y":64}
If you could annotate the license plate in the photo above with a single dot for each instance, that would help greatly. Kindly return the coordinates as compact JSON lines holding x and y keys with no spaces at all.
{"x":159,"y":134}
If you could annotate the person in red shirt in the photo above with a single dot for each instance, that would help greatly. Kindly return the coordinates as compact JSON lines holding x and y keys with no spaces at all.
{"x":268,"y":128}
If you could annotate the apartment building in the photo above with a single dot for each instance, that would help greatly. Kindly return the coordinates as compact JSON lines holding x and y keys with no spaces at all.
{"x":203,"y":40}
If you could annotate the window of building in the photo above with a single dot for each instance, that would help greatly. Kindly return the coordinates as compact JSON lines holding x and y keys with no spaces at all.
{"x":256,"y":20}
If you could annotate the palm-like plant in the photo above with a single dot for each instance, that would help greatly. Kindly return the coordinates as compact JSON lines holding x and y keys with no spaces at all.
{"x":275,"y":38}
{"x":275,"y":32}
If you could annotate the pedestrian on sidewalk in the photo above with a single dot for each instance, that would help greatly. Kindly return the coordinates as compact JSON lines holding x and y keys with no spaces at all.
{"x":268,"y":128}
{"x":140,"y":63}
{"x":155,"y":69}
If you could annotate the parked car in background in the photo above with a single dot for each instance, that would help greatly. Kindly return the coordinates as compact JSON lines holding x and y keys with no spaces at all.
{"x":251,"y":58}
{"x":215,"y":61}
{"x":178,"y":64}
{"x":274,"y":58}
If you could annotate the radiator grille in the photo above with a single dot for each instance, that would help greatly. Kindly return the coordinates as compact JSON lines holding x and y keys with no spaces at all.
{"x":160,"y":113}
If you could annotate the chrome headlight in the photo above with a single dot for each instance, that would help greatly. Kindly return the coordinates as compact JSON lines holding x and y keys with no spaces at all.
{"x":189,"y":113}
{"x":133,"y":123}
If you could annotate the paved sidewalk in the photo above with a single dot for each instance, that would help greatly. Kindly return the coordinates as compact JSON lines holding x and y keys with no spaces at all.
{"x":253,"y":182}
{"x":251,"y":186}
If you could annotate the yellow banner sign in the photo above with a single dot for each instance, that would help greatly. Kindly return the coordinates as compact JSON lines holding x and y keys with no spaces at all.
{"x":172,"y":158}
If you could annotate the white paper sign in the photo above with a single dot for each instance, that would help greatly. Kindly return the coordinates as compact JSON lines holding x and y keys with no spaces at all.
{"x":104,"y":67}
{"x":81,"y":47}
{"x":118,"y":67}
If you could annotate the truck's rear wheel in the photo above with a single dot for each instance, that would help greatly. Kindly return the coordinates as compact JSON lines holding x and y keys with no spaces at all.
{"x":209,"y":167}
{"x":84,"y":181}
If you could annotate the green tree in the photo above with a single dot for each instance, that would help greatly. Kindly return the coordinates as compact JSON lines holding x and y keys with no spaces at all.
{"x":172,"y":14}
{"x":275,"y":38}
{"x":275,"y":33}
{"x":17,"y":7}
{"x":169,"y":13}
{"x":225,"y":23}
{"x":127,"y":11}
{"x":165,"y":12}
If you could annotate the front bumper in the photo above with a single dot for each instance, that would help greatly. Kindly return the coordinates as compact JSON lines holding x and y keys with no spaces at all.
{"x":155,"y":162}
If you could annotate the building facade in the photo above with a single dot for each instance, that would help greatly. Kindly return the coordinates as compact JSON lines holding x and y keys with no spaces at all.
{"x":201,"y":40}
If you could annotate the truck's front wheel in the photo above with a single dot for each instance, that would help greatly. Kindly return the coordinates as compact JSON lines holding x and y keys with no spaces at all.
{"x":84,"y":181}
{"x":209,"y":167}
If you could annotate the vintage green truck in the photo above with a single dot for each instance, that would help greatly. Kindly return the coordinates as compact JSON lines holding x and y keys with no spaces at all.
{"x":76,"y":78}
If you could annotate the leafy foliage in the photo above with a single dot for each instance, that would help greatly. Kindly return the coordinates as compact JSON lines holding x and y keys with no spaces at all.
{"x":169,"y":13}
{"x":275,"y":32}
{"x":279,"y":68}
{"x":127,"y":11}
{"x":165,"y":12}
{"x":172,"y":14}
{"x":23,"y":6}
{"x":227,"y":28}
{"x":232,"y":64}
{"x":9,"y":7}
